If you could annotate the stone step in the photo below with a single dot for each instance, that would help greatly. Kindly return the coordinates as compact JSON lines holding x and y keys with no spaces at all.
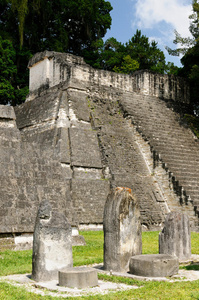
{"x":183,"y":165}
{"x":172,"y":148}
{"x":180,"y":160}
{"x":176,"y":144}
{"x":178,"y":157}
{"x":183,"y":142}
{"x":187,"y":178}
{"x":192,"y":181}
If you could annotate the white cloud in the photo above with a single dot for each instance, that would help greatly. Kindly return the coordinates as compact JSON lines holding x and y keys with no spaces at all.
{"x":151,"y":13}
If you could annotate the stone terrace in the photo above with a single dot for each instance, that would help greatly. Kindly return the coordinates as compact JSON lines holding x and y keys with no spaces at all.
{"x":172,"y":143}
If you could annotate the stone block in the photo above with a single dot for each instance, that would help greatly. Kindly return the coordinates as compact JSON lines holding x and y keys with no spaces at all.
{"x":87,"y":173}
{"x":89,"y":197}
{"x":7,"y":112}
{"x":175,"y":238}
{"x":52,"y":244}
{"x":40,"y":110}
{"x":80,"y":104}
{"x":122,"y":230}
{"x":66,"y":171}
{"x":62,"y":149}
{"x":79,"y":277}
{"x":84,"y":148}
{"x":154,"y":265}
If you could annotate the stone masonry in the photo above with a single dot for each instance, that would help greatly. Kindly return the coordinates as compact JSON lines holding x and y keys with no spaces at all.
{"x":83,"y":131}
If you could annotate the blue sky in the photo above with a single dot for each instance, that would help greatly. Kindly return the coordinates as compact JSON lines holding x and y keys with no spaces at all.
{"x":157,"y":19}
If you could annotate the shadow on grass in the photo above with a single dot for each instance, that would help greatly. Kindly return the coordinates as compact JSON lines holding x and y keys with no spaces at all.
{"x":194,"y":267}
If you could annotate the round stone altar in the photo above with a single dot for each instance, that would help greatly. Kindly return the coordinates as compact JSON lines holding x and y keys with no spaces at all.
{"x":78,"y":277}
{"x":154,"y":265}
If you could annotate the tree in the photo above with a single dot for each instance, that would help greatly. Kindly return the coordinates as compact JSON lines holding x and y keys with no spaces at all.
{"x":137,"y":53}
{"x":147,"y":54}
{"x":7,"y":71}
{"x":185,"y":43}
{"x":63,"y":26}
{"x":128,"y":65}
{"x":189,"y":48}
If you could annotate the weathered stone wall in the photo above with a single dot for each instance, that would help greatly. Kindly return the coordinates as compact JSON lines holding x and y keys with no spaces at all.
{"x":161,"y":85}
{"x":27,"y":176}
{"x":48,"y":69}
{"x":65,"y":133}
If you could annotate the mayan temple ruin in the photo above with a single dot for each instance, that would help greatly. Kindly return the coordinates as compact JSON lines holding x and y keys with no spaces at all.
{"x":82,"y":132}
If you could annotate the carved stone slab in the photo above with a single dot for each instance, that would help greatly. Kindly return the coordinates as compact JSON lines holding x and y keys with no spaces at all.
{"x":122,"y":230}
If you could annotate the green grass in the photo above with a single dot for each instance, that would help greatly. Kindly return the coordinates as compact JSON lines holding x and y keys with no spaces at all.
{"x":195,"y":242}
{"x":15,"y":262}
{"x":10,"y":292}
{"x":12,"y":262}
{"x":150,"y":242}
{"x":92,"y":252}
{"x":19,"y":262}
{"x":147,"y":290}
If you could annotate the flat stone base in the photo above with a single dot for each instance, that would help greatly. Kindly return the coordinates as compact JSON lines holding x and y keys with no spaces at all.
{"x":154,"y":265}
{"x":78,"y":277}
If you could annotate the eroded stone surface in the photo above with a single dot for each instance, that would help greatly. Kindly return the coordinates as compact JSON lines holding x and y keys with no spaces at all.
{"x":52,"y":246}
{"x":78,"y":277}
{"x":154,"y":265}
{"x":122,"y":229}
{"x":175,"y":238}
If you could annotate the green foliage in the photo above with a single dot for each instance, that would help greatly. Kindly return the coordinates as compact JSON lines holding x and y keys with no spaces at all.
{"x":21,"y":6}
{"x":189,"y":48}
{"x":194,"y":26}
{"x":7,"y":71}
{"x":185,"y":43}
{"x":128,"y":65}
{"x":147,"y":54}
{"x":172,"y":69}
{"x":138,"y":53}
{"x":190,"y":70}
{"x":193,"y":122}
{"x":38,"y":25}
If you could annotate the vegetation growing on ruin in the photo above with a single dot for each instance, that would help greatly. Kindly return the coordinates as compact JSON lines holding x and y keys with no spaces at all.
{"x":193,"y":122}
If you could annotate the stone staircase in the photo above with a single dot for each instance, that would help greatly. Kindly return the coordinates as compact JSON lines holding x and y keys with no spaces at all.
{"x":172,"y":143}
{"x":123,"y":161}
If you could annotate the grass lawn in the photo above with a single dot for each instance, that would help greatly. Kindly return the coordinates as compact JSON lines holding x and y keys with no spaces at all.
{"x":15,"y":262}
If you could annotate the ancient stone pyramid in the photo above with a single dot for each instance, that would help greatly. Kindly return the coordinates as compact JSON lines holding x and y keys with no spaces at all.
{"x":83,"y":131}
